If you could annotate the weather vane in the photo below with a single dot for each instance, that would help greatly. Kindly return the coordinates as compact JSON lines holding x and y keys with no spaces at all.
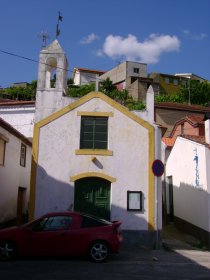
{"x":44,"y":36}
{"x":60,"y":18}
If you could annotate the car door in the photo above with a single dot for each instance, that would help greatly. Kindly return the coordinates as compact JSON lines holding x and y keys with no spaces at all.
{"x":47,"y":237}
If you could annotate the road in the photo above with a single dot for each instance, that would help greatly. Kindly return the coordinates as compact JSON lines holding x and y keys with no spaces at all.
{"x":129,"y":264}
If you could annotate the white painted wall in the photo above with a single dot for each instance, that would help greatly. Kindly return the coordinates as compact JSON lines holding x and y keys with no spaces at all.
{"x":12,"y":175}
{"x":191,"y":202}
{"x":77,"y":78}
{"x":50,"y":101}
{"x":21,"y":117}
{"x":84,"y":78}
{"x":129,"y":164}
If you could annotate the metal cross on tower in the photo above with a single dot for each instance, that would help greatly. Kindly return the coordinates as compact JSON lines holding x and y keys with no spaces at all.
{"x":44,"y":36}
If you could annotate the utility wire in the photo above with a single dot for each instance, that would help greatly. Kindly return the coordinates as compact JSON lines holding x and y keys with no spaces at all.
{"x":36,"y":61}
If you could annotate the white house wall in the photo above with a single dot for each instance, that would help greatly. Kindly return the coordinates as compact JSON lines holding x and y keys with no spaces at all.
{"x":20,"y":117}
{"x":208,"y":182}
{"x":190,"y":201}
{"x":57,"y":144}
{"x":12,"y":176}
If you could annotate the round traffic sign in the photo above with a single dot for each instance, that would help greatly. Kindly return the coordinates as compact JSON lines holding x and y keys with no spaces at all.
{"x":158,"y":167}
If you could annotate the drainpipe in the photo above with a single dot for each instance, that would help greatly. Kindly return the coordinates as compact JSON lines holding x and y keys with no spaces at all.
{"x":157,"y":184}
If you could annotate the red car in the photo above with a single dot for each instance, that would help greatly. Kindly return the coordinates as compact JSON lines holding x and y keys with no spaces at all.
{"x":62,"y":234}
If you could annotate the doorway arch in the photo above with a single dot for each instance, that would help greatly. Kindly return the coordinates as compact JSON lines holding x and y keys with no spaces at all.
{"x":92,"y":196}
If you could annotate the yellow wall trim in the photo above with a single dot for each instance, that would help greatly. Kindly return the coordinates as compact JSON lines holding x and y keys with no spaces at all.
{"x":33,"y":173}
{"x":95,"y":114}
{"x":93,"y":152}
{"x":92,"y":174}
{"x":151,"y":181}
{"x":87,"y":98}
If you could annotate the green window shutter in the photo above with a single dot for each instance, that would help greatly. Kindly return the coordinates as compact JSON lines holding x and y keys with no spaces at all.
{"x":94,"y":133}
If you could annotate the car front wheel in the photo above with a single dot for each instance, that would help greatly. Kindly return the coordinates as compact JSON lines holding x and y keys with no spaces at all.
{"x":98,"y":251}
{"x":7,"y":251}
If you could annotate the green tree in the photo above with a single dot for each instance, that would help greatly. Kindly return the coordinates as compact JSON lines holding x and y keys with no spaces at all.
{"x":22,"y":93}
{"x":197,"y":92}
{"x":76,"y":91}
{"x":194,"y":92}
{"x":107,"y":86}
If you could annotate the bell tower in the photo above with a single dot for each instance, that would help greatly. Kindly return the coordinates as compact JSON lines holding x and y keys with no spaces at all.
{"x":52,"y":80}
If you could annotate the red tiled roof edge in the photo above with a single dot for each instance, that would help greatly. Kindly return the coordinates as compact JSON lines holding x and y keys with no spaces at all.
{"x":181,"y":106}
{"x":90,"y":70}
{"x":15,"y":103}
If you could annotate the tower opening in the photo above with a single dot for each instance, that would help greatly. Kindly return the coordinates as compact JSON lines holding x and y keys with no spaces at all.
{"x":51,"y":69}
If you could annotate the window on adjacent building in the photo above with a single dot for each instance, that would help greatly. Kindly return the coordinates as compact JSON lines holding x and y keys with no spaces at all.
{"x":94,"y":132}
{"x":2,"y":151}
{"x":175,"y":82}
{"x":184,"y":82}
{"x":23,"y":155}
{"x":136,"y":70}
{"x":167,"y":81}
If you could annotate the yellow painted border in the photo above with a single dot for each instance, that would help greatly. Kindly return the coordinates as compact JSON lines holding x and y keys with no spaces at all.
{"x":33,"y":172}
{"x":93,"y":152}
{"x":92,"y":174}
{"x":96,"y":114}
{"x":123,"y":110}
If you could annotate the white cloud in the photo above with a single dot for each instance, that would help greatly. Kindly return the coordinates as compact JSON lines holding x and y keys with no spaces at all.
{"x":195,"y":37}
{"x":200,"y":36}
{"x":186,"y":32}
{"x":148,"y":51}
{"x":89,"y":39}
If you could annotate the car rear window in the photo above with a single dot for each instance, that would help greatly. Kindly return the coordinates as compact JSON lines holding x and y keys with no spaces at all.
{"x":88,"y":221}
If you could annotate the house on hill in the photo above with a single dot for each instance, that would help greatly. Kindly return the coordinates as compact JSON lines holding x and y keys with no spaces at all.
{"x":94,"y":155}
{"x":168,"y":113}
{"x":84,"y":76}
{"x":133,"y":77}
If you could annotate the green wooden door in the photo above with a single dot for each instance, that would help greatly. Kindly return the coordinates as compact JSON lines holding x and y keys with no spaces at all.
{"x":92,"y":196}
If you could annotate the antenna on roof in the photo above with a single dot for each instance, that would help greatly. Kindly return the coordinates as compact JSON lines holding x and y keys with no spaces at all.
{"x":44,"y":36}
{"x":60,"y":18}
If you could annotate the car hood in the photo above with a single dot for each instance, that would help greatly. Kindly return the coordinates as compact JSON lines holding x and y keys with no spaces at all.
{"x":8,"y":230}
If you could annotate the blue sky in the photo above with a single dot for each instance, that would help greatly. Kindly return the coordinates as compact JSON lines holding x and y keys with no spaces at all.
{"x":170,"y":36}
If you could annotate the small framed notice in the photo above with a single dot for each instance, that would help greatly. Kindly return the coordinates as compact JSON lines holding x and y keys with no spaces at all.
{"x":134,"y":200}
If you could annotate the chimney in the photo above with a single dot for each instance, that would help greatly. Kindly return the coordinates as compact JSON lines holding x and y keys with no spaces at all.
{"x":207,"y":127}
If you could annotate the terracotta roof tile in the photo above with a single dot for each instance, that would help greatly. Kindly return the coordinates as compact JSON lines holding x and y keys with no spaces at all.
{"x":195,"y":119}
{"x":169,"y":141}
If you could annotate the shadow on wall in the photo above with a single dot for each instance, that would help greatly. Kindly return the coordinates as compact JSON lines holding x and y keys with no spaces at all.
{"x":53,"y":195}
{"x":191,"y":211}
